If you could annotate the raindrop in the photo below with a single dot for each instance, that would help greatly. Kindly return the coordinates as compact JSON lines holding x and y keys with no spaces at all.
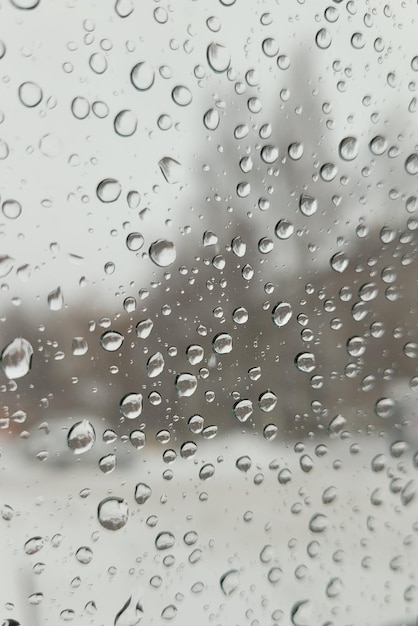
{"x":270,"y":47}
{"x":30,"y":94}
{"x":125,"y":123}
{"x":164,"y":540}
{"x":295,"y":151}
{"x":267,"y":401}
{"x":239,"y":247}
{"x":323,"y":39}
{"x":107,"y":464}
{"x":181,"y":95}
{"x":318,"y":523}
{"x":243,"y":409}
{"x":155,"y":365}
{"x":11,"y":209}
{"x":130,"y":614}
{"x":284,"y":229}
{"x":195,"y":354}
{"x":308,"y":205}
{"x":130,"y":405}
{"x":281,"y":314}
{"x":337,"y":424}
{"x":98,"y":63}
{"x":142,"y":493}
{"x":144,"y":328}
{"x":222,"y":343}
{"x":206,"y":471}
{"x":240,"y":315}
{"x":81,"y":437}
{"x":384,"y":408}
{"x":109,"y":190}
{"x":411,"y":164}
{"x":6,"y":265}
{"x":16,"y":358}
{"x":229,"y":581}
{"x":142,"y":76}
{"x":334,"y":588}
{"x":186,"y":385}
{"x":137,"y":439}
{"x":348,"y":148}
{"x":56,"y":299}
{"x":328,"y":172}
{"x":211,"y":119}
{"x":33,"y":545}
{"x":169,"y":612}
{"x":134,"y":241}
{"x":269,"y":154}
{"x":124,"y":8}
{"x":378,"y":145}
{"x":339,"y":262}
{"x":111,"y":340}
{"x":113,"y":513}
{"x":162,"y":252}
{"x":84,"y":555}
{"x":305,"y":362}
{"x":218,"y":57}
{"x":171,"y":169}
{"x":4,"y":150}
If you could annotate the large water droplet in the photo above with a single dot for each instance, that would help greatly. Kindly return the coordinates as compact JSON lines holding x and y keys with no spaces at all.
{"x":284,"y":229}
{"x":301,"y":613}
{"x":109,"y":190}
{"x":218,"y":57}
{"x":142,"y":493}
{"x":125,"y":123}
{"x":11,"y":208}
{"x":155,"y":365}
{"x":411,"y":164}
{"x":269,"y":154}
{"x":243,"y":409}
{"x":162,"y":252}
{"x":111,"y":340}
{"x":171,"y":169}
{"x":318,"y":523}
{"x":229,"y":581}
{"x":222,"y":343}
{"x":378,"y":145}
{"x":281,"y":314}
{"x":80,"y":107}
{"x":107,"y":464}
{"x":339,"y":262}
{"x":305,"y":362}
{"x":131,"y":405}
{"x":144,"y":328}
{"x":30,"y":94}
{"x":323,"y":39}
{"x":186,"y":384}
{"x":182,"y":95}
{"x":295,"y":151}
{"x":308,"y":205}
{"x":130,"y":614}
{"x":267,"y":401}
{"x":81,"y":437}
{"x":164,"y":540}
{"x":211,"y":119}
{"x":16,"y":358}
{"x":142,"y":76}
{"x":113,"y":513}
{"x":348,"y":148}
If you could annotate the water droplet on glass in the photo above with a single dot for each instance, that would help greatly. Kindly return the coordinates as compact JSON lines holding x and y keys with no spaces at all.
{"x":131,"y":405}
{"x":98,"y":63}
{"x":109,"y":190}
{"x":171,"y":169}
{"x":206,"y":471}
{"x":137,"y":439}
{"x":195,"y":354}
{"x":11,"y":209}
{"x":16,"y":358}
{"x":328,"y":172}
{"x":124,"y":8}
{"x":305,"y":362}
{"x":284,"y":229}
{"x":282,"y":314}
{"x":169,"y":612}
{"x":144,"y":328}
{"x":164,"y":540}
{"x":378,"y":145}
{"x":181,"y":95}
{"x":125,"y":123}
{"x":384,"y":408}
{"x":30,"y":94}
{"x":218,"y":57}
{"x":334,"y":587}
{"x":84,"y":555}
{"x":155,"y":365}
{"x":318,"y":523}
{"x":130,"y":614}
{"x":142,"y":493}
{"x":186,"y":384}
{"x":211,"y":119}
{"x":111,"y":340}
{"x":243,"y":409}
{"x":142,"y":76}
{"x":107,"y":464}
{"x":6,"y":265}
{"x":270,"y":47}
{"x":4,"y":148}
{"x":295,"y":151}
{"x":229,"y":581}
{"x":411,"y":164}
{"x":113,"y":513}
{"x":337,"y":424}
{"x":56,"y":299}
{"x":348,"y":148}
{"x":80,"y":108}
{"x":222,"y":343}
{"x":81,"y":437}
{"x":339,"y":262}
{"x":269,"y":154}
{"x":134,"y":241}
{"x":323,"y":39}
{"x":33,"y":545}
{"x":267,"y":401}
{"x":308,"y":205}
{"x":162,"y":252}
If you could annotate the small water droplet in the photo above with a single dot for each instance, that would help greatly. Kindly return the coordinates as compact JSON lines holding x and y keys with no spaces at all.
{"x":323,"y":39}
{"x":155,"y":365}
{"x":164,"y":540}
{"x":134,"y":241}
{"x":30,"y":94}
{"x":11,"y":208}
{"x":84,"y":555}
{"x":144,"y":328}
{"x":267,"y":401}
{"x":295,"y":151}
{"x":111,"y":340}
{"x":81,"y":437}
{"x":142,"y":76}
{"x":328,"y":172}
{"x":308,"y":205}
{"x":109,"y":190}
{"x":269,"y":154}
{"x":284,"y":229}
{"x":243,"y":409}
{"x":124,"y":8}
{"x":16,"y":358}
{"x":305,"y":362}
{"x":411,"y":164}
{"x":33,"y":545}
{"x":339,"y":262}
{"x":318,"y":523}
{"x":142,"y":493}
{"x":211,"y":119}
{"x":56,"y":299}
{"x":222,"y":343}
{"x":186,"y":385}
{"x":384,"y":408}
{"x":229,"y":581}
{"x":107,"y":464}
{"x":113,"y":513}
{"x":125,"y":123}
{"x":80,"y":108}
{"x":181,"y":95}
{"x":378,"y":145}
{"x":282,"y":314}
{"x":218,"y":57}
{"x":348,"y":148}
